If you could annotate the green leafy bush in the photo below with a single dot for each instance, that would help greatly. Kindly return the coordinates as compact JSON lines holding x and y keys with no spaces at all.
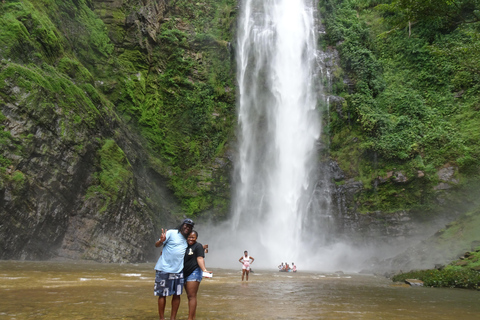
{"x":412,"y":93}
{"x":449,"y":277}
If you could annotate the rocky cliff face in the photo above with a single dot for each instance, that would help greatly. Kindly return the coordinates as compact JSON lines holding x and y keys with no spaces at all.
{"x":49,"y":207}
{"x":116,"y":116}
{"x":350,"y":200}
{"x":76,"y":180}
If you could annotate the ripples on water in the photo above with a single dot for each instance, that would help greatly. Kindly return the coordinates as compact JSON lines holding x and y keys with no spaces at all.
{"x":68,"y":290}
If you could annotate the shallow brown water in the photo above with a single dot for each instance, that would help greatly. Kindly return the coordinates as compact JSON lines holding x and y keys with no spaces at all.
{"x":67,"y":290}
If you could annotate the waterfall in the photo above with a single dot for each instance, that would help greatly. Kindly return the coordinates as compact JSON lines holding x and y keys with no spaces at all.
{"x":278,"y":132}
{"x":278,"y":125}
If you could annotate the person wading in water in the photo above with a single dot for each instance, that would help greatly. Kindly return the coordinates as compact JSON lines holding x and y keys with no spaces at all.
{"x":246,"y":260}
{"x":169,"y":279}
{"x":193,"y":270}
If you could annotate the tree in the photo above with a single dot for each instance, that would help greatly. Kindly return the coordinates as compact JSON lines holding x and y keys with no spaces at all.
{"x":438,"y":13}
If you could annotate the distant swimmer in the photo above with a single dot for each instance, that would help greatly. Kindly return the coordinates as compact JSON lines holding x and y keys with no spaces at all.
{"x":294,"y":267}
{"x":245,"y":260}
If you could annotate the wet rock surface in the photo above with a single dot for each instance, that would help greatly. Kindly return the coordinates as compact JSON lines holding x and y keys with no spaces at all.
{"x":414,"y":282}
{"x":52,"y":201}
{"x":45,"y":211}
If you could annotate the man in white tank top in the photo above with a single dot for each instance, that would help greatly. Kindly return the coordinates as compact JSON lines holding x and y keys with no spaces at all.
{"x":245,"y":260}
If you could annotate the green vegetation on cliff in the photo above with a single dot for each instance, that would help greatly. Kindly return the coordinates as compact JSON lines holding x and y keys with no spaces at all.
{"x":410,"y":79}
{"x":180,"y":93}
{"x":164,"y":66}
{"x":43,"y":81}
{"x":108,"y":110}
{"x":458,"y":236}
{"x":115,"y":174}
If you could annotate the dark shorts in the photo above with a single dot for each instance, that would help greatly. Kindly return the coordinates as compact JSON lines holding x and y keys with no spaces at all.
{"x":167,"y":284}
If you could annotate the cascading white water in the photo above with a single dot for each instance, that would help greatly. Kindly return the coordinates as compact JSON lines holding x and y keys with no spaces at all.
{"x":278,"y":127}
{"x":281,"y":202}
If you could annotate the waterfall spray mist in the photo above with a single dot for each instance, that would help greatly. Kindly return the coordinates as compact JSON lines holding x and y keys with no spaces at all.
{"x":278,"y":127}
{"x":281,"y":201}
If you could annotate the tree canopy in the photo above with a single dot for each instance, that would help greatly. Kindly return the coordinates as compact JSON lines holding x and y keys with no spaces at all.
{"x":438,"y":13}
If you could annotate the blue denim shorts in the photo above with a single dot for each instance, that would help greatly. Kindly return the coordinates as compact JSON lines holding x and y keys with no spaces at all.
{"x":196,"y":275}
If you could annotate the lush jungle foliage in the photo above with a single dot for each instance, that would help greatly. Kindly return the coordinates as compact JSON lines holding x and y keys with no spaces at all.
{"x":410,"y":77}
{"x":450,"y":277}
{"x":182,"y":97}
{"x":175,"y":84}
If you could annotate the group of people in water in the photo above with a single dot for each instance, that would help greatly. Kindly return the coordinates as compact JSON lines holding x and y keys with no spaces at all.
{"x":286,"y":268}
{"x":181,"y":265}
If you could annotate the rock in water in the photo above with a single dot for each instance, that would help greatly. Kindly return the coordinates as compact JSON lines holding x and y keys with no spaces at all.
{"x":414,"y":282}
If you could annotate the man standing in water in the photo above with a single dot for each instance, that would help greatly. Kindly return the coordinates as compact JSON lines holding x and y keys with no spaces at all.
{"x":169,"y":268}
{"x":245,"y":260}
